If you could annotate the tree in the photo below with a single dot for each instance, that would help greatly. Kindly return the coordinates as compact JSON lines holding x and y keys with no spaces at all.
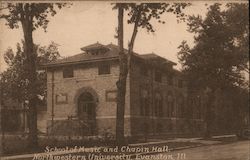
{"x":14,"y":79}
{"x":140,"y":16}
{"x":31,"y":16}
{"x":220,"y":53}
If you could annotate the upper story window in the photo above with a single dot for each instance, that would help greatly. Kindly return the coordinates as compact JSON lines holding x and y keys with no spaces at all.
{"x":144,"y":71}
{"x":68,"y":72}
{"x":158,"y":76}
{"x":180,"y":83}
{"x":170,"y":79}
{"x":104,"y":69}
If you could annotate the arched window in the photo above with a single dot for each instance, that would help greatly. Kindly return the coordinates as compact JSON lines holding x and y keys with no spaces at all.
{"x":181,"y":106}
{"x":144,"y":102}
{"x":158,"y":105}
{"x":192,"y":107}
{"x":170,"y":104}
{"x":159,"y":128}
{"x":198,"y":106}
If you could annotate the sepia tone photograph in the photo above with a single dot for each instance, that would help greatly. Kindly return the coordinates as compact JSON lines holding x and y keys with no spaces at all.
{"x":124,"y":80}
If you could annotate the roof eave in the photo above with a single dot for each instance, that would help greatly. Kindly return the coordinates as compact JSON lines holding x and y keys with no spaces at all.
{"x":76,"y":62}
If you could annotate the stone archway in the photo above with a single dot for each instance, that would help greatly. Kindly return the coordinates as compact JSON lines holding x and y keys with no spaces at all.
{"x":86,"y":102}
{"x":83,"y":90}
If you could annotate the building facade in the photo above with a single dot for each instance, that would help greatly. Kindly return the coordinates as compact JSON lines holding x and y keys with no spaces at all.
{"x":81,"y":95}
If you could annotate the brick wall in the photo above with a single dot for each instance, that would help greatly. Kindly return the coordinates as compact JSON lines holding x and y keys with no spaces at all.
{"x":85,"y":78}
{"x":154,"y":124}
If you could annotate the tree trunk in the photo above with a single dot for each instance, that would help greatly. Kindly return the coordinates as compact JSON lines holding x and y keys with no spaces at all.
{"x":31,"y":67}
{"x":121,"y":83}
{"x":124,"y":65}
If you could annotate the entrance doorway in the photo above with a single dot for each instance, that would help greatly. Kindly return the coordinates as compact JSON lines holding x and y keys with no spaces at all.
{"x":87,"y":113}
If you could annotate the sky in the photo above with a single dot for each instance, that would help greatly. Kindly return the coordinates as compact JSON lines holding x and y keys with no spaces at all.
{"x":87,"y":22}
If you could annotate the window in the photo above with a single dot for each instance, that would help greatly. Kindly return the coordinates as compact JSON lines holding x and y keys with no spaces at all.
{"x":170,"y":126}
{"x":158,"y":76}
{"x":180,"y":83}
{"x":198,"y":106}
{"x":144,"y":103}
{"x":158,"y":105}
{"x":159,"y":128}
{"x":144,"y":71}
{"x":68,"y":72}
{"x":170,"y":104}
{"x":191,"y":108}
{"x":104,"y":69}
{"x":170,"y":80}
{"x":180,"y":110}
{"x":145,"y":127}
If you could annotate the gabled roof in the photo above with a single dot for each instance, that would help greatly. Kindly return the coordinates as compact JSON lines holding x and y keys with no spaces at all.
{"x":111,"y":51}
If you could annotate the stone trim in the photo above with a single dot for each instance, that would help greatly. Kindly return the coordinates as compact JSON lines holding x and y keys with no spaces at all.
{"x":62,"y":102}
{"x":110,"y":99}
{"x":77,"y":79}
{"x":86,"y":89}
{"x":131,"y":116}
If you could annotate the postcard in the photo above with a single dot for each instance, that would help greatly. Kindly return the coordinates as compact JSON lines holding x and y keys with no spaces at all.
{"x":121,"y":80}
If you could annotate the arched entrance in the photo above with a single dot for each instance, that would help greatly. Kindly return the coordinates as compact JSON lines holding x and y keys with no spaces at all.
{"x":87,"y":112}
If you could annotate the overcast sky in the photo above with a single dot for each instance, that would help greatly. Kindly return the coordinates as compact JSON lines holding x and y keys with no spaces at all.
{"x":85,"y":23}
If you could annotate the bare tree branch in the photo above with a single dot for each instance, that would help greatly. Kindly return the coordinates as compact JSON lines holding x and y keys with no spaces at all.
{"x":3,"y":8}
{"x":4,"y":16}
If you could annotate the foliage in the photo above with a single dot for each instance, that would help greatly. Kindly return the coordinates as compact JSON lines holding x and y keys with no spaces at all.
{"x":31,"y":16}
{"x":149,"y":11}
{"x":219,"y":56}
{"x":35,"y":12}
{"x":141,"y":16}
{"x":15,"y":80}
{"x":221,"y":47}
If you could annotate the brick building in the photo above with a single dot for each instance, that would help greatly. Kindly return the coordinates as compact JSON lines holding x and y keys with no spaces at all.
{"x":82,"y":95}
